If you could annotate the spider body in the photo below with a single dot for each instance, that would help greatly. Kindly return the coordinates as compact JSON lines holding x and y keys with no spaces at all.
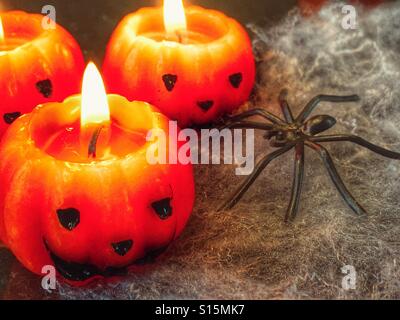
{"x":300,"y":133}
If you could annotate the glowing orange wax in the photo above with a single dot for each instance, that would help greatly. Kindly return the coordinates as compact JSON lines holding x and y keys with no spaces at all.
{"x":65,"y":144}
{"x":70,"y":143}
{"x":36,"y":65}
{"x":89,"y":216}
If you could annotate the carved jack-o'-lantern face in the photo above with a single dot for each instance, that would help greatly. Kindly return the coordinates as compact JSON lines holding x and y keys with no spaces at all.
{"x":89,"y":219}
{"x":193,"y":82}
{"x":102,"y":238}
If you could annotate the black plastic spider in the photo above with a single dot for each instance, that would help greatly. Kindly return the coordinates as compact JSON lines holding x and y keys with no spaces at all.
{"x":299,"y":133}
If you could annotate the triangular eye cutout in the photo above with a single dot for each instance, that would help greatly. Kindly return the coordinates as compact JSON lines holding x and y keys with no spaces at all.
{"x":45,"y":87}
{"x":163,"y":208}
{"x":123,"y":247}
{"x":69,"y":218}
{"x":205,"y":105}
{"x":11,"y":117}
{"x":170,"y":81}
{"x":236,"y":80}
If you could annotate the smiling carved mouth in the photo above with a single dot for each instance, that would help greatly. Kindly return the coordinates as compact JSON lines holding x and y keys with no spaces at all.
{"x":79,"y":272}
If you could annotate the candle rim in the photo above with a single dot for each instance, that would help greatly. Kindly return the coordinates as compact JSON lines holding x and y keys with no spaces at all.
{"x":134,"y":22}
{"x":31,"y":23}
{"x":72,"y":104}
{"x":24,"y":42}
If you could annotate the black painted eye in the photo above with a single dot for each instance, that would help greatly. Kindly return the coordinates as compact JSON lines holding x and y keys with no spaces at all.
{"x":123,"y":247}
{"x":45,"y":87}
{"x":11,"y":117}
{"x":170,"y":81}
{"x":69,"y":218}
{"x":205,"y":105}
{"x":236,"y":80}
{"x":163,"y":208}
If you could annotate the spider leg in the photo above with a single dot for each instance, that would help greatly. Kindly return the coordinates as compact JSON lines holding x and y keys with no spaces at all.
{"x":287,"y":113}
{"x":247,"y":125}
{"x":340,"y":186}
{"x":360,"y":141}
{"x":320,"y":98}
{"x":297,"y":183}
{"x":238,"y":194}
{"x":257,"y":112}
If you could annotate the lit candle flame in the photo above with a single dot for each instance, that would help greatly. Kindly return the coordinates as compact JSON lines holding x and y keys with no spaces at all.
{"x":174,"y":16}
{"x":2,"y":37}
{"x":94,"y":108}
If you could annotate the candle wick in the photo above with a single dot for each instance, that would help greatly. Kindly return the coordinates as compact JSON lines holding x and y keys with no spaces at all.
{"x":93,"y":142}
{"x":179,"y":35}
{"x":176,"y":36}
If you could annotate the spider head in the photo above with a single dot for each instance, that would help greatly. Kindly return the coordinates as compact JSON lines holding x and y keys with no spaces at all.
{"x":281,"y":136}
{"x":318,"y":124}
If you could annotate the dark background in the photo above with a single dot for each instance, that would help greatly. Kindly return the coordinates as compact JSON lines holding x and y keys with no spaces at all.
{"x":91,"y":22}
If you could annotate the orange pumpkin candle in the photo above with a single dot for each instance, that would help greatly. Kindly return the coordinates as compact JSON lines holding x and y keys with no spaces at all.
{"x":87,"y":215}
{"x":36,"y":65}
{"x":194,"y":65}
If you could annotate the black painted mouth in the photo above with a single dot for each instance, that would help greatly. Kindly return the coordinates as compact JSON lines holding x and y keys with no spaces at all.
{"x":80,"y":272}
